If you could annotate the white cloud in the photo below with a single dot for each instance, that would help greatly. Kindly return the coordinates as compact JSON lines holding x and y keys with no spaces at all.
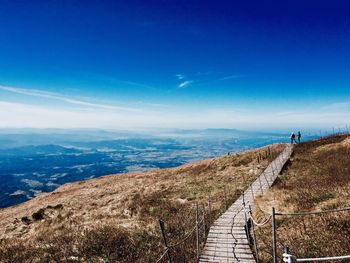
{"x":180,"y":76}
{"x":185,"y":84}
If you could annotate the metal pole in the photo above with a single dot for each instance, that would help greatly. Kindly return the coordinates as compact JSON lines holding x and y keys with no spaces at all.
{"x":243,"y":201}
{"x":286,"y":252}
{"x":197,"y":231}
{"x":162,"y":229}
{"x":245,"y":221}
{"x":274,"y":237}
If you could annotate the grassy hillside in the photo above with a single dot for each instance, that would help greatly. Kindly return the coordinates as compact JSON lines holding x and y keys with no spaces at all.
{"x":317,"y":178}
{"x":116,"y":217}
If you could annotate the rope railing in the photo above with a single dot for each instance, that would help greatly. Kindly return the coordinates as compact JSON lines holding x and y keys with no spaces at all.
{"x":267,"y":220}
{"x":163,"y":255}
{"x":289,"y":258}
{"x":250,"y":215}
{"x":323,"y":259}
{"x":314,"y":212}
{"x":186,"y":237}
{"x":169,"y":247}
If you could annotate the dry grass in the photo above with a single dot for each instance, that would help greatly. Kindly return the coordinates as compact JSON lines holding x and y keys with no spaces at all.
{"x":116,"y":217}
{"x":317,"y":178}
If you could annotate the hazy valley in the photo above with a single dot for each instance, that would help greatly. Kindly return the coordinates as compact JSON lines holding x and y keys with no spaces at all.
{"x":33,"y":162}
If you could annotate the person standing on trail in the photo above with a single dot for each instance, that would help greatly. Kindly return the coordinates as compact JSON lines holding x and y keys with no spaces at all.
{"x":292,"y":138}
{"x":299,"y":136}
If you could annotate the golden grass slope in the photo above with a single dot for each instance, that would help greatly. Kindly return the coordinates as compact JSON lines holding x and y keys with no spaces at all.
{"x":317,"y":178}
{"x":116,"y":217}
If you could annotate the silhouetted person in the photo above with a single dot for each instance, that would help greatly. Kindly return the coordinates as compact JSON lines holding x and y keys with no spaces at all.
{"x":299,"y":136}
{"x":292,"y":138}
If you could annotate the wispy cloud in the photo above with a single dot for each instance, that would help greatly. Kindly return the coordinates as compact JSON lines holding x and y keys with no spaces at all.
{"x":70,"y":100}
{"x":184,"y":81}
{"x":185,"y":84}
{"x":233,"y":77}
{"x":204,"y":78}
{"x":180,"y":76}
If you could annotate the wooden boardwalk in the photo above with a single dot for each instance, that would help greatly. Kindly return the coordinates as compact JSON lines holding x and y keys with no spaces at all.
{"x":227,"y":239}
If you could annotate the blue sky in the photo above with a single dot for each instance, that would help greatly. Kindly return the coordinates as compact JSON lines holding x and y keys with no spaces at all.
{"x":174,"y":64}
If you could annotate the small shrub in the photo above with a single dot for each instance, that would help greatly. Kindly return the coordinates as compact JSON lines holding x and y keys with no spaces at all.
{"x":25,"y":220}
{"x":39,"y":215}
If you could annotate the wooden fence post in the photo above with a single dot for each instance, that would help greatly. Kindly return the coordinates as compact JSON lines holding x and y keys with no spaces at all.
{"x":274,"y":236}
{"x":161,"y":224}
{"x":209,"y":208}
{"x":204,"y":223}
{"x":244,"y":180}
{"x":225,"y":192}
